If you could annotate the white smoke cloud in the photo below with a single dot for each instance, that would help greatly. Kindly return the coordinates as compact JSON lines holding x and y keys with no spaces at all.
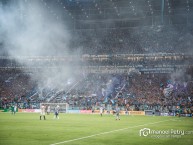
{"x":180,"y":76}
{"x":29,"y":28}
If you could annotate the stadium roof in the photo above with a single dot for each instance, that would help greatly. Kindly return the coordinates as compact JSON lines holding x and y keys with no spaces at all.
{"x":130,"y":12}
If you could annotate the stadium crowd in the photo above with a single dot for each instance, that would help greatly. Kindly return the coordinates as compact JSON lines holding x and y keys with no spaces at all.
{"x":15,"y":86}
{"x":130,"y":92}
{"x":167,"y":39}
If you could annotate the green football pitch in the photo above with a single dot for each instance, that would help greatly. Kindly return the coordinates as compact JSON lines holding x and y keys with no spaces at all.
{"x":77,"y":129}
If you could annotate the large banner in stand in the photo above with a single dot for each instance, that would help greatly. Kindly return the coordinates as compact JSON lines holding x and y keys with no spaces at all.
{"x":136,"y":112}
{"x":29,"y":110}
{"x":123,"y":112}
{"x":85,"y":111}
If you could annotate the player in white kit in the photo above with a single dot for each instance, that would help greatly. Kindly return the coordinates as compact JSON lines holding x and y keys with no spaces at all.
{"x":43,"y":112}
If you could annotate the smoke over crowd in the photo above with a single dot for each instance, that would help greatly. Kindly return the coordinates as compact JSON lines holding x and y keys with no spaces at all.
{"x":28,"y":29}
{"x":42,"y":28}
{"x":33,"y":33}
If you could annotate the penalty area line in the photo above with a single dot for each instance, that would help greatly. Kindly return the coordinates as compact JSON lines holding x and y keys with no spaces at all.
{"x":81,"y":138}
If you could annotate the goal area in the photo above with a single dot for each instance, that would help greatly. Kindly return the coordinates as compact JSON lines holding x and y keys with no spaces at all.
{"x":63,"y":107}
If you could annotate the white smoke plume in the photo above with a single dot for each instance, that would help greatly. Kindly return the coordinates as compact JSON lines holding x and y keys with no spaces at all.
{"x":29,"y":29}
{"x":32,"y":28}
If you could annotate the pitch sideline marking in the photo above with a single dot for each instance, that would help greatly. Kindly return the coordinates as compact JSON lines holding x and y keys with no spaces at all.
{"x":67,"y":141}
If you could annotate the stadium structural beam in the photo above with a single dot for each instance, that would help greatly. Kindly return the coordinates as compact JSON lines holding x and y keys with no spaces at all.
{"x":162,"y":11}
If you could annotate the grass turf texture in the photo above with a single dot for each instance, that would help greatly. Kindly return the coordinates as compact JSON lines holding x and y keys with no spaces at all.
{"x":27,"y":129}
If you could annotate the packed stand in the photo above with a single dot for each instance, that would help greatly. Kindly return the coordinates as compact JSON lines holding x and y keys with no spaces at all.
{"x":150,"y":39}
{"x":130,"y":91}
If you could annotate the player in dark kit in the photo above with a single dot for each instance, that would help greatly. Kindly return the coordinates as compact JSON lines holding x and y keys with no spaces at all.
{"x":179,"y":111}
{"x":57,"y":112}
{"x":117,"y":113}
